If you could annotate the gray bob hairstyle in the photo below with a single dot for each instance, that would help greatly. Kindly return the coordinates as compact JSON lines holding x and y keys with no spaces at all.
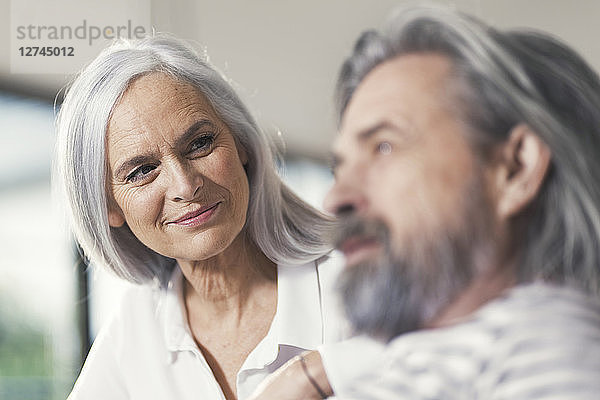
{"x":285,"y":228}
{"x":502,"y":79}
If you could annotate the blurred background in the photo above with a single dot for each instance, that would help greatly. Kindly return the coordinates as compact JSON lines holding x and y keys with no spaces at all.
{"x":282,"y":56}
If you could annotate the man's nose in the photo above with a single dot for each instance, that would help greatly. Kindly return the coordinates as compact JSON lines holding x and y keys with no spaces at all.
{"x":184,"y":181}
{"x":347,"y":195}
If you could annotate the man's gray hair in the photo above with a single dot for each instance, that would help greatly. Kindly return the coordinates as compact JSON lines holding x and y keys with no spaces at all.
{"x":284,"y":227}
{"x":502,"y":79}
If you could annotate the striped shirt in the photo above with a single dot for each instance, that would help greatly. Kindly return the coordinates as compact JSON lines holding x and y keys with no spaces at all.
{"x":537,"y":342}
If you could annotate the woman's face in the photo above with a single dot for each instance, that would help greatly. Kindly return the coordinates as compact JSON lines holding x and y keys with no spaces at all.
{"x":175,"y":175}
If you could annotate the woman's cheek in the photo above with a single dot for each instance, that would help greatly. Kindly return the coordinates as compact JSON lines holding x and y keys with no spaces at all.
{"x":240,"y":189}
{"x":141,"y":203}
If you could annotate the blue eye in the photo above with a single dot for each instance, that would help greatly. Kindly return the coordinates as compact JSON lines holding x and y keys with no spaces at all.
{"x":202,"y":144}
{"x":140,"y":173}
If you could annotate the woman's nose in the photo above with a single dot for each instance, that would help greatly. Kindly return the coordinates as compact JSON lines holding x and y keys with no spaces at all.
{"x":184,"y":182}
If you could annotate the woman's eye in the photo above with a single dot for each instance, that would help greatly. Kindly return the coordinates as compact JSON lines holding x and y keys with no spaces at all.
{"x":384,"y":148}
{"x":202,"y":144}
{"x":140,"y":173}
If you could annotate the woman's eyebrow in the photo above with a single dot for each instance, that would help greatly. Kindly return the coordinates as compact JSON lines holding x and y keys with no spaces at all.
{"x":132,"y":162}
{"x":191,"y":131}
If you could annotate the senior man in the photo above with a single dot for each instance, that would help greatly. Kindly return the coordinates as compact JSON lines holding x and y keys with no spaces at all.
{"x":467,"y":183}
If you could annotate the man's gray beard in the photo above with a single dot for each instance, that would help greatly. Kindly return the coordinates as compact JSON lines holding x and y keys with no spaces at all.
{"x":398,"y":293}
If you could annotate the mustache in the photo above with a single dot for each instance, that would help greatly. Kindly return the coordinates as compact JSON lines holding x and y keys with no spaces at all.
{"x":353,"y":226}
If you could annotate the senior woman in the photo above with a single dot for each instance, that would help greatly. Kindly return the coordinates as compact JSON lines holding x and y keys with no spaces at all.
{"x":171,"y":185}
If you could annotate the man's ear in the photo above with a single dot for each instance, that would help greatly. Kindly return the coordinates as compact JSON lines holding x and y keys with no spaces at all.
{"x":524,"y":160}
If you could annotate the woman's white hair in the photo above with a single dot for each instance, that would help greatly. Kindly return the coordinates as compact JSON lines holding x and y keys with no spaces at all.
{"x":285,"y":228}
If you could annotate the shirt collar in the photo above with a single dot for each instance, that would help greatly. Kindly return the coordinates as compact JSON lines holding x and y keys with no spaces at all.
{"x":178,"y":336}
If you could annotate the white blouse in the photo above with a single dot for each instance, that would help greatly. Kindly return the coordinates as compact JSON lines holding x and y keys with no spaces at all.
{"x":147,"y":351}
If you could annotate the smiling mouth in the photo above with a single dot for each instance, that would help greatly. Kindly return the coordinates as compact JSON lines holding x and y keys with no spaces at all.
{"x":359,"y":248}
{"x":197,"y":217}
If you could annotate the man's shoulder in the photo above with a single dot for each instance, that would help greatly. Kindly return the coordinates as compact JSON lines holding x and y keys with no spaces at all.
{"x":529,"y":321}
{"x":541,"y":308}
{"x":543,"y":318}
{"x":548,"y":341}
{"x":536,"y":337}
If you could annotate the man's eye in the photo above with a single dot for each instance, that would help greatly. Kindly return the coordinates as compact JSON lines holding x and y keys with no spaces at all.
{"x":202,"y":144}
{"x":384,"y":148}
{"x":140,"y":173}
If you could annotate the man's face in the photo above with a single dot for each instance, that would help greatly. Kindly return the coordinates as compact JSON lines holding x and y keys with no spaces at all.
{"x":410,"y":195}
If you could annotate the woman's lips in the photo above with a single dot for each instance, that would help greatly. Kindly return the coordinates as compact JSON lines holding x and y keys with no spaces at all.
{"x":197,"y":217}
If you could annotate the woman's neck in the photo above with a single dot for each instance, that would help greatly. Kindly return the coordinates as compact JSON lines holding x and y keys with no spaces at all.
{"x":230,"y":282}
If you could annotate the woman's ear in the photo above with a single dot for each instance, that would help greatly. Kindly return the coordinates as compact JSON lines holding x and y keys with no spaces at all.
{"x":242,"y":155}
{"x":115,"y":217}
{"x":524,"y":160}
